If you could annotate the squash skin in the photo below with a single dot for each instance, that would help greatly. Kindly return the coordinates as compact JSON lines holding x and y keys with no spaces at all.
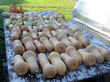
{"x":49,"y":70}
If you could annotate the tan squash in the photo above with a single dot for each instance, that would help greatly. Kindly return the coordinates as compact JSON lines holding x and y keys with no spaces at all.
{"x":18,"y":47}
{"x":75,"y":29}
{"x":20,"y":66}
{"x":47,"y":31}
{"x":55,"y":59}
{"x":40,"y":27}
{"x":105,"y":52}
{"x":49,"y":26}
{"x":92,"y":48}
{"x":47,"y":44}
{"x":70,"y":62}
{"x":76,"y":43}
{"x":58,"y":45}
{"x":10,"y":26}
{"x":64,"y":39}
{"x":55,"y":27}
{"x":24,"y":28}
{"x":42,"y":34}
{"x":15,"y":33}
{"x":54,"y":33}
{"x":85,"y":41}
{"x":88,"y":58}
{"x":30,"y":58}
{"x":28,"y":43}
{"x":61,"y":31}
{"x":49,"y":70}
{"x":40,"y":47}
{"x":68,"y":31}
{"x":33,"y":32}
{"x":73,"y":53}
{"x":25,"y":33}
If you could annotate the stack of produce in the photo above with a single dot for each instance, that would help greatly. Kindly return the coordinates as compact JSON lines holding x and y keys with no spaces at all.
{"x":33,"y":33}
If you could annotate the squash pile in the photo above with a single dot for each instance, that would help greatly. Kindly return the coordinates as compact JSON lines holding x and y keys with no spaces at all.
{"x":33,"y":33}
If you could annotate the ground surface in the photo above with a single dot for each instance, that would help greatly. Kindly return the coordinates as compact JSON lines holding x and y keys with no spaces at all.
{"x":63,"y":6}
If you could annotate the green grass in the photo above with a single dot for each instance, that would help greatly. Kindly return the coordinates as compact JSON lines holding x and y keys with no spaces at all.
{"x":63,"y":6}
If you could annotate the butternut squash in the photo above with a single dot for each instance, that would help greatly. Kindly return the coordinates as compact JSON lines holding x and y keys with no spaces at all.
{"x":49,"y":70}
{"x":92,"y":48}
{"x":40,"y":47}
{"x":49,"y":26}
{"x":54,"y":34}
{"x":15,"y":33}
{"x":85,"y":41}
{"x":88,"y":58}
{"x":64,"y":39}
{"x":42,"y":34}
{"x":70,"y":62}
{"x":20,"y":66}
{"x":10,"y":26}
{"x":73,"y":29}
{"x":58,"y":45}
{"x":55,"y":59}
{"x":105,"y":52}
{"x":47,"y":31}
{"x":76,"y":43}
{"x":18,"y":47}
{"x":24,"y":28}
{"x":47,"y":43}
{"x":73,"y":53}
{"x":28,"y":43}
{"x":25,"y":33}
{"x":30,"y":58}
{"x":33,"y":32}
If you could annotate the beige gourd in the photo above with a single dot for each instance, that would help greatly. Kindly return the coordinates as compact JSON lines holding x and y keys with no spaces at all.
{"x":20,"y":66}
{"x":72,"y":52}
{"x":25,"y":33}
{"x":50,"y":26}
{"x":30,"y":58}
{"x":54,"y":34}
{"x":47,"y":31}
{"x":61,"y":31}
{"x":85,"y":41}
{"x":28,"y":43}
{"x":105,"y":52}
{"x":88,"y":58}
{"x":55,"y":59}
{"x":76,"y":43}
{"x":68,"y":31}
{"x":75,"y":29}
{"x":10,"y":26}
{"x":40,"y":27}
{"x":15,"y":33}
{"x":70,"y":62}
{"x":49,"y":70}
{"x":92,"y":48}
{"x":64,"y":39}
{"x":42,"y":34}
{"x":24,"y":28}
{"x":40,"y":47}
{"x":33,"y":33}
{"x":58,"y":45}
{"x":47,"y":44}
{"x":18,"y":47}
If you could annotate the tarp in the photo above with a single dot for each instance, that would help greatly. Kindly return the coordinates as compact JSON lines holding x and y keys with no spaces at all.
{"x":94,"y":12}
